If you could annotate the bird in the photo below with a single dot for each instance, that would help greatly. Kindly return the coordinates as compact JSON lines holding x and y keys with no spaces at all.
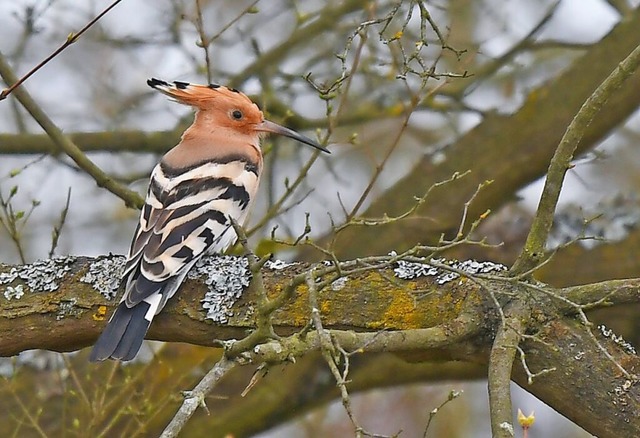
{"x":196,"y":192}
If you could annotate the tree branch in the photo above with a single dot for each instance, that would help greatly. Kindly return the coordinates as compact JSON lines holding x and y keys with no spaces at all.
{"x":534,"y":249}
{"x":53,"y":304}
{"x":501,"y":359}
{"x":71,"y":38}
{"x":111,"y":141}
{"x":195,"y":399}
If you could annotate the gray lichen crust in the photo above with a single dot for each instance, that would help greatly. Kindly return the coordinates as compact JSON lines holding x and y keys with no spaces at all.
{"x":14,"y":292}
{"x":608,"y":333}
{"x":410,"y":270}
{"x":226,"y":278}
{"x":104,"y":275}
{"x":40,"y":276}
{"x":68,"y":308}
{"x":278,"y":265}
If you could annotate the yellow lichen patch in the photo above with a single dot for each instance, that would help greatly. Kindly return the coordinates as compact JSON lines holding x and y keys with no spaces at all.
{"x":376,"y":300}
{"x":452,"y":301}
{"x":296,"y":311}
{"x":100,"y":314}
{"x":401,"y":312}
{"x":325,"y":307}
{"x":275,"y":291}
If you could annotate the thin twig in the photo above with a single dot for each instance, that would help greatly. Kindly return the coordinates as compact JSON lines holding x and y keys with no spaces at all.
{"x":275,"y":209}
{"x":501,"y":360}
{"x":204,"y":40}
{"x":525,"y":366}
{"x":331,"y":353}
{"x":432,"y":414}
{"x":249,"y":9}
{"x":386,"y":219}
{"x":30,"y":414}
{"x":195,"y":398}
{"x":71,"y":38}
{"x":57,"y":228}
{"x":131,"y":198}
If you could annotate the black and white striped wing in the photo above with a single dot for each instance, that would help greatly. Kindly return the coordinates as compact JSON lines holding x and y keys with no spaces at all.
{"x":187,"y":213}
{"x":185,"y":216}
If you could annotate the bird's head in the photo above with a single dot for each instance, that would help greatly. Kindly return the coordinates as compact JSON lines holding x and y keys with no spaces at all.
{"x":222,"y":108}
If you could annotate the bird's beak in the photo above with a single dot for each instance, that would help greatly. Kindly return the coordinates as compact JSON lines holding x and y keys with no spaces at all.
{"x":274,"y":128}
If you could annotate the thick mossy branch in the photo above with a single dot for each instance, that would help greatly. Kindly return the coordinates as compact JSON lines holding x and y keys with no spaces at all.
{"x":47,"y":305}
{"x":63,"y":294}
{"x":370,"y":301}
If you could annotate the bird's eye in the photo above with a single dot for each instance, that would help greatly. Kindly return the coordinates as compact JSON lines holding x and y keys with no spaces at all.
{"x":237,"y":114}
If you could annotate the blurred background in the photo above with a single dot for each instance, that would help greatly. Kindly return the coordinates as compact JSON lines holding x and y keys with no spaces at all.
{"x":399,"y":91}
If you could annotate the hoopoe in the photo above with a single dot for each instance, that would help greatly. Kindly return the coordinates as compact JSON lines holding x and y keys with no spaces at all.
{"x":209,"y":178}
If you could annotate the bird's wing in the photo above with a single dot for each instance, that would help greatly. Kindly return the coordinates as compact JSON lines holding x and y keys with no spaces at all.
{"x":186,"y":214}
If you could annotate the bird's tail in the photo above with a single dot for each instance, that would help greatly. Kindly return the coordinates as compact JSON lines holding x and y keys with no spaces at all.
{"x":125,"y":331}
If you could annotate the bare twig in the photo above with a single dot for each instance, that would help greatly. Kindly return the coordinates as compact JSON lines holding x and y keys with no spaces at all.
{"x":27,"y":412}
{"x":204,"y":40}
{"x":500,"y":364}
{"x":14,"y":221}
{"x":71,"y":38}
{"x":333,"y":354}
{"x":325,"y":21}
{"x":432,"y":414}
{"x":386,"y":219}
{"x":276,"y":208}
{"x":525,"y":366}
{"x":381,"y":166}
{"x":131,"y":198}
{"x":195,"y":398}
{"x":57,"y":228}
{"x":248,"y":10}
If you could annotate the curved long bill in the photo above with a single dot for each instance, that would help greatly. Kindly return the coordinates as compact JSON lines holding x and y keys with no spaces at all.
{"x":274,"y":128}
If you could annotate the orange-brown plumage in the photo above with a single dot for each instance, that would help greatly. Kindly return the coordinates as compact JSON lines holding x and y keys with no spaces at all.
{"x":217,"y":131}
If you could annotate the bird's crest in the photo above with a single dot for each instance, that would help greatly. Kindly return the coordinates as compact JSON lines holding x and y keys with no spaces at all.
{"x":199,"y":96}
